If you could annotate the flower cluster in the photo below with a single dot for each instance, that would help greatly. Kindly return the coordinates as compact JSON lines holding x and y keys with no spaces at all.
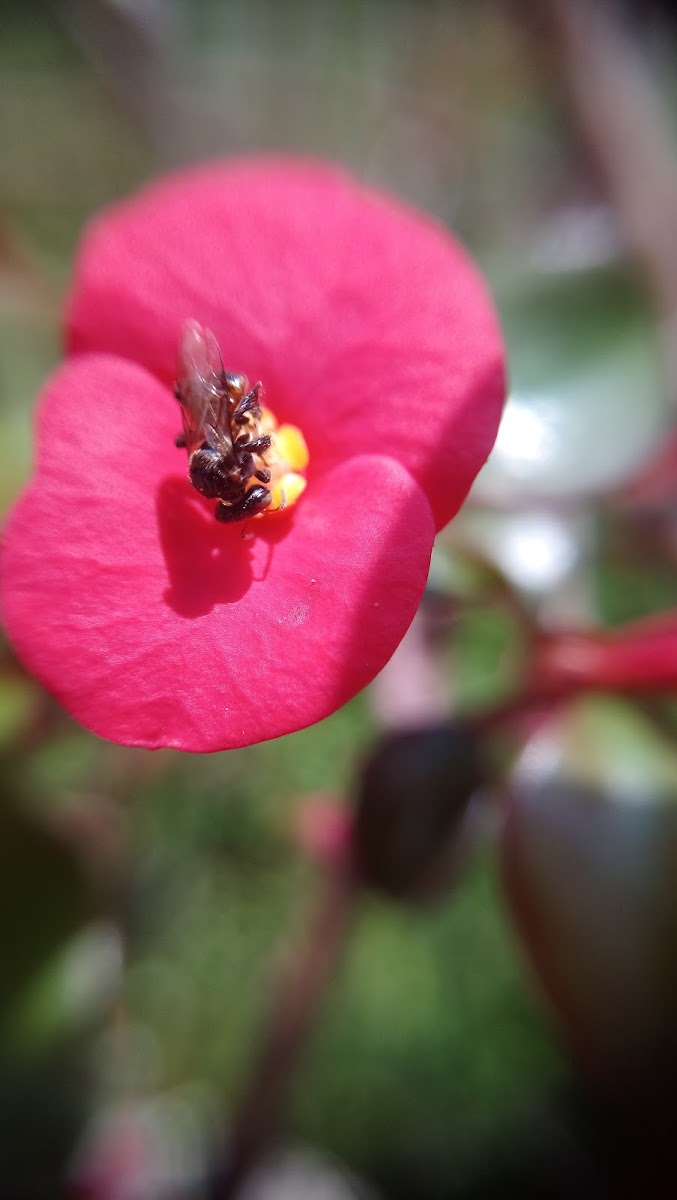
{"x":372,"y":334}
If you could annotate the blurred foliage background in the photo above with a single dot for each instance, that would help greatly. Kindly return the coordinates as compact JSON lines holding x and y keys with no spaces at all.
{"x":143,"y":895}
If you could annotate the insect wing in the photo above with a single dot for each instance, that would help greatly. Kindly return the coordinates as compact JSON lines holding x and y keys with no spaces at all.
{"x":204,"y":403}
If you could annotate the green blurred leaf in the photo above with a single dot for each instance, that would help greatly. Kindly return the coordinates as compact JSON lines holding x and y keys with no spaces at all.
{"x":19,"y":698}
{"x":44,"y":900}
{"x":488,"y":657}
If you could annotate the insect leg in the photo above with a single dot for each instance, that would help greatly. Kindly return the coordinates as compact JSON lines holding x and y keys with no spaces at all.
{"x":249,"y":405}
{"x":257,"y":445}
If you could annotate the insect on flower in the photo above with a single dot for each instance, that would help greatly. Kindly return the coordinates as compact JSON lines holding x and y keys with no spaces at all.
{"x":149,"y":640}
{"x":222,"y":429}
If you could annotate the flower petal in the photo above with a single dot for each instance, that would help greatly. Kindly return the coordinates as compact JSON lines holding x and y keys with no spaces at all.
{"x":367,"y":322}
{"x":155,"y":625}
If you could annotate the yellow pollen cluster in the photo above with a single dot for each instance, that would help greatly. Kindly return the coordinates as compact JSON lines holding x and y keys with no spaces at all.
{"x":286,"y":460}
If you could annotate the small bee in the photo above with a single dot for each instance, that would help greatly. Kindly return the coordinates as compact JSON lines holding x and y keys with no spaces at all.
{"x":221,"y":429}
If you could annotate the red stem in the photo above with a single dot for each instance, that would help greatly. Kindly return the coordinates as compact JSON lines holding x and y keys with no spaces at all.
{"x":297,"y":1001}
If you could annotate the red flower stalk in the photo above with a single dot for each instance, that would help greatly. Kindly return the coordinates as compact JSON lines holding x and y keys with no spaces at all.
{"x":639,"y":657}
{"x":371,"y":332}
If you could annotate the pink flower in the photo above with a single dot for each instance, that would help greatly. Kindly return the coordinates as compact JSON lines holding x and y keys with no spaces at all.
{"x":371,"y":331}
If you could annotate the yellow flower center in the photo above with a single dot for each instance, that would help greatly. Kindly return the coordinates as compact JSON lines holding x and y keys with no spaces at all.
{"x":286,"y":460}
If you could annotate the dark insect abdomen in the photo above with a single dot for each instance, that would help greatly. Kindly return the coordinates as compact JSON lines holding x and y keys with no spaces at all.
{"x":217,"y":478}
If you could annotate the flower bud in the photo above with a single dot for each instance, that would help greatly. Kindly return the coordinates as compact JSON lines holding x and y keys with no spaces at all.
{"x":588,"y":850}
{"x":412,"y":799}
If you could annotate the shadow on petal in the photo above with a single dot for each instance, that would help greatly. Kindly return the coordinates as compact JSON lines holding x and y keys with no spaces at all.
{"x":207,"y":563}
{"x":265,"y":536}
